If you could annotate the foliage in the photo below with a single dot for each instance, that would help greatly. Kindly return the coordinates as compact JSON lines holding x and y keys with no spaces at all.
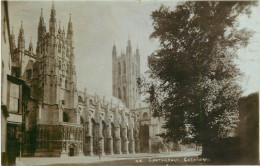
{"x":193,"y":77}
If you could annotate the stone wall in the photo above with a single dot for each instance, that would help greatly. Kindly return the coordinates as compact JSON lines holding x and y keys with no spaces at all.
{"x":58,"y":140}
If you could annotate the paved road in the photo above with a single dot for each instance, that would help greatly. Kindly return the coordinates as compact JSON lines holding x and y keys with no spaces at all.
{"x":124,"y":159}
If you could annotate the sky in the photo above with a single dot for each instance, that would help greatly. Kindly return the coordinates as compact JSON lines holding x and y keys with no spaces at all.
{"x":98,"y":25}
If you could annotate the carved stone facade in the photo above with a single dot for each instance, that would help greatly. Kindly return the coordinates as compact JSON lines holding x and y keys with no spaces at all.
{"x":59,"y":140}
{"x":54,"y":120}
{"x":108,"y":125}
{"x":59,"y":119}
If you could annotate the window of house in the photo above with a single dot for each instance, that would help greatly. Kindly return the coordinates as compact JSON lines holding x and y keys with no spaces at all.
{"x":63,"y":102}
{"x":14,"y":98}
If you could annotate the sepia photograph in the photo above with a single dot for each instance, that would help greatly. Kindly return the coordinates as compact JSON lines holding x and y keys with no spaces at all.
{"x":130,"y":82}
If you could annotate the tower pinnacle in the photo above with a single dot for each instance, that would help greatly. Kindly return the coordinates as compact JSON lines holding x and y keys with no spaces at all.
{"x":52,"y":22}
{"x":59,"y":30}
{"x":70,"y":31}
{"x":129,"y":47}
{"x":21,"y":41}
{"x":53,"y":4}
{"x":114,"y":50}
{"x":41,"y":26}
{"x":30,"y":45}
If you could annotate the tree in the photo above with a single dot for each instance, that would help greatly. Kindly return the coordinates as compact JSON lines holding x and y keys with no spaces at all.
{"x":193,"y":77}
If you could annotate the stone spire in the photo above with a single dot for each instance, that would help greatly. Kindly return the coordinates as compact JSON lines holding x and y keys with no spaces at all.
{"x":138,"y":62}
{"x":52,"y":22}
{"x":70,"y":30}
{"x":137,"y":50}
{"x":30,"y":49}
{"x":114,"y":50}
{"x":59,"y":30}
{"x":41,"y":27}
{"x":129,"y":47}
{"x":21,"y":41}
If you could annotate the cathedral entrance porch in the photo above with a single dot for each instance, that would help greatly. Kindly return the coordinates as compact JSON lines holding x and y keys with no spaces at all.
{"x":72,"y":150}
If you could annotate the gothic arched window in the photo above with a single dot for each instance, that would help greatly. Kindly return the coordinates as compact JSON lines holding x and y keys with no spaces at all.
{"x":81,"y":120}
{"x":59,"y":48}
{"x":124,"y":68}
{"x":119,"y":68}
{"x":145,"y":115}
{"x":124,"y":89}
{"x":119,"y":93}
{"x":133,"y":67}
{"x":59,"y":64}
{"x":66,"y":84}
{"x":65,"y":117}
{"x":80,"y":99}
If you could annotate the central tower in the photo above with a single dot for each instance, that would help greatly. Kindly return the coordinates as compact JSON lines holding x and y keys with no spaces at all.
{"x":126,"y":70}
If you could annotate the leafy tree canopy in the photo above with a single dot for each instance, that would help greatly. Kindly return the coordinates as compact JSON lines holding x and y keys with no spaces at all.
{"x":193,"y":75}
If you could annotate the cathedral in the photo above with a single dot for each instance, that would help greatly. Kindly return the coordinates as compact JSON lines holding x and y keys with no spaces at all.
{"x":60,"y":120}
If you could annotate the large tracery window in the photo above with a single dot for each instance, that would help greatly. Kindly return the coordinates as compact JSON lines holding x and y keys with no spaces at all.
{"x":119,"y":68}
